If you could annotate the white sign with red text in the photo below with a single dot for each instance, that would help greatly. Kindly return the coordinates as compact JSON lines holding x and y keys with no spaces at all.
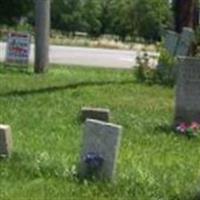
{"x":18,"y":48}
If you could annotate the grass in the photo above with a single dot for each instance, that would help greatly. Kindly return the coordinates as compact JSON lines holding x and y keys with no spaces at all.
{"x":43,"y":111}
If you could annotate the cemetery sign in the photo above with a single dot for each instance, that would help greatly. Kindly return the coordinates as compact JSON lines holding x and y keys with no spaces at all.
{"x":18,"y":48}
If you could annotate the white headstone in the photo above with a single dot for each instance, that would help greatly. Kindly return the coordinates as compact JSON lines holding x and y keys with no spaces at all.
{"x":100,"y":149}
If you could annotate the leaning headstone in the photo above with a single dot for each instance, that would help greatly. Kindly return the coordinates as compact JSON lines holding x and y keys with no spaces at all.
{"x":187,"y":107}
{"x":170,"y":41}
{"x":100,"y":150}
{"x":177,"y":44}
{"x":5,"y":141}
{"x":95,"y":113}
{"x":185,"y":42}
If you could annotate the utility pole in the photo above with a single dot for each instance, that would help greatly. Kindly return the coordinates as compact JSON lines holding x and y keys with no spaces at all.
{"x":186,"y":14}
{"x":42,"y":29}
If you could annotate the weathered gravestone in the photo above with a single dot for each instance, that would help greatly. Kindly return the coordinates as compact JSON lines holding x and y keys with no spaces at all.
{"x":187,"y":108}
{"x":185,"y":42}
{"x":5,"y":140}
{"x":95,"y":113}
{"x":170,"y":42}
{"x":179,"y":44}
{"x":100,"y":149}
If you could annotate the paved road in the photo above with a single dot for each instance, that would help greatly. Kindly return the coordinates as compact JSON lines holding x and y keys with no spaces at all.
{"x":86,"y":56}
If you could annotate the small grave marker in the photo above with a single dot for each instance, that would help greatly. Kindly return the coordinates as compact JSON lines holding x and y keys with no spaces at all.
{"x":100,"y":149}
{"x":95,"y":113}
{"x":5,"y":140}
{"x":188,"y":90}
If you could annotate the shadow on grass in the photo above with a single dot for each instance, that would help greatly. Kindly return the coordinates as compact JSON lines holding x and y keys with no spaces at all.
{"x":15,"y":69}
{"x":196,"y":197}
{"x":63,"y":87}
{"x":165,"y":128}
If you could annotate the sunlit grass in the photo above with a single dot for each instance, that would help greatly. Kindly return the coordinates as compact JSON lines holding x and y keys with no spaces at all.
{"x":43,"y":111}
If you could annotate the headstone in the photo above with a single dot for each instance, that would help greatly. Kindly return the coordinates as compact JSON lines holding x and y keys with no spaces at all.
{"x":100,"y":149}
{"x":95,"y":113}
{"x":188,"y":90}
{"x":5,"y":140}
{"x":179,"y":44}
{"x":170,"y":41}
{"x":185,"y":42}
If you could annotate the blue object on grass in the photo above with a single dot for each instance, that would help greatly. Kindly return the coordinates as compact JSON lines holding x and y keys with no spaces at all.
{"x":94,"y":160}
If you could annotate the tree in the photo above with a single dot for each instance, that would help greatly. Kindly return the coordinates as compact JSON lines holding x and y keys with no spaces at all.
{"x":141,"y":18}
{"x":67,"y":15}
{"x":91,"y":17}
{"x":106,"y":16}
{"x":131,"y":18}
{"x":125,"y":18}
{"x":186,"y":14}
{"x":12,"y":10}
{"x":151,"y":17}
{"x":120,"y":19}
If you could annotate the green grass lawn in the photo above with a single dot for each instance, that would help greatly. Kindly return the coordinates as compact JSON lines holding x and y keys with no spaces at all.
{"x":43,"y":110}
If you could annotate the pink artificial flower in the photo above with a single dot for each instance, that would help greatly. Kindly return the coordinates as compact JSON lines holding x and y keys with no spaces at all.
{"x":182,"y":127}
{"x":194,"y":126}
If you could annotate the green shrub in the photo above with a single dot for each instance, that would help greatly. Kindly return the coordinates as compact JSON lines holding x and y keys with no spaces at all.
{"x":163,"y":73}
{"x":143,"y":71}
{"x":166,"y":68}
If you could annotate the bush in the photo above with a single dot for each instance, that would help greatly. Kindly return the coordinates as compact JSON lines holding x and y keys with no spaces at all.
{"x":166,"y":68}
{"x":163,"y":73}
{"x":143,"y":72}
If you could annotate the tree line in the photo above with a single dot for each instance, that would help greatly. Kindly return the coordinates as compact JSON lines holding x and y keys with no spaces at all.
{"x":124,"y":18}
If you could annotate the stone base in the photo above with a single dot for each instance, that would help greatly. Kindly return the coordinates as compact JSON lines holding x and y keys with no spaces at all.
{"x":5,"y":141}
{"x":95,"y":113}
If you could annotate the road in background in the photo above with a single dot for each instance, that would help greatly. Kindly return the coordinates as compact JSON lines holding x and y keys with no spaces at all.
{"x":95,"y":57}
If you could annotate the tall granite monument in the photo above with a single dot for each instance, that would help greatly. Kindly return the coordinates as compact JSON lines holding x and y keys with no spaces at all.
{"x":187,"y":108}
